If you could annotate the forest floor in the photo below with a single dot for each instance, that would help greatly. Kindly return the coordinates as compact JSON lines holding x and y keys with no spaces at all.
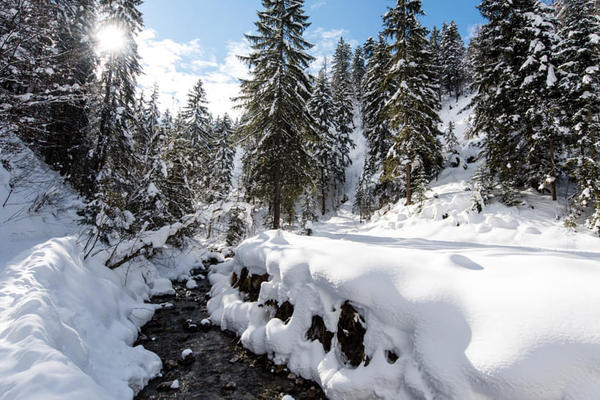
{"x":220,"y":368}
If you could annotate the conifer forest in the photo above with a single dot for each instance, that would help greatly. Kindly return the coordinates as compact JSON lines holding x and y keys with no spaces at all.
{"x":411,"y":216}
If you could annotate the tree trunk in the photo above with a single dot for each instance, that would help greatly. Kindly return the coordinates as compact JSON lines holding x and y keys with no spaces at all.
{"x":408,"y":184}
{"x":277,"y":198}
{"x":323,"y":193}
{"x":553,"y":172}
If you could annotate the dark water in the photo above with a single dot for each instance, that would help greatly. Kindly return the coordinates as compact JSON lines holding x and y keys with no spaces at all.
{"x":222,"y":368}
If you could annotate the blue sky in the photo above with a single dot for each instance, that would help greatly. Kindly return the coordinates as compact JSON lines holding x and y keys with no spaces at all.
{"x":190,"y":39}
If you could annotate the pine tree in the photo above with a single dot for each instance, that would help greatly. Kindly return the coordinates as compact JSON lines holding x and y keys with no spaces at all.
{"x":452,"y":153}
{"x":222,"y":162}
{"x":341,"y":88}
{"x":358,"y":72}
{"x":436,"y":52}
{"x":324,"y":149}
{"x":115,"y":119}
{"x":368,"y":48}
{"x":451,"y":56}
{"x":413,"y":108}
{"x":376,"y":96}
{"x":579,"y":74}
{"x":503,"y":45}
{"x":308,"y":211}
{"x":539,"y":91}
{"x":275,"y":99}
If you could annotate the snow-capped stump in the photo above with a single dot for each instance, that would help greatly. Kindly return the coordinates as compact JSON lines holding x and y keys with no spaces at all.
{"x":248,"y":284}
{"x":318,"y":331}
{"x":351,"y":332}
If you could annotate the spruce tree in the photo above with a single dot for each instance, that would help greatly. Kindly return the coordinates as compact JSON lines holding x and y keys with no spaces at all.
{"x":579,"y":74}
{"x":368,"y":48}
{"x":341,"y":88}
{"x":358,"y":72}
{"x":503,"y":44}
{"x":115,"y":119}
{"x":274,"y":98}
{"x":539,"y":91}
{"x":324,"y":149}
{"x":413,"y":108}
{"x":222,"y":159}
{"x":451,"y":56}
{"x":451,"y":146}
{"x":375,"y":97}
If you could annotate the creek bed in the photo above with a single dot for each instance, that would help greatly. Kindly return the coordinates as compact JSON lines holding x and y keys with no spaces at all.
{"x":222,"y":368}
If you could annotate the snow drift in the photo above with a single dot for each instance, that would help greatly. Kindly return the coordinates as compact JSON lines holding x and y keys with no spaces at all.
{"x":66,"y":328}
{"x":438,"y":320}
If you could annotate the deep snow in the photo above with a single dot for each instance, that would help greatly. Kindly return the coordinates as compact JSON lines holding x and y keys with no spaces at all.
{"x":500,"y":304}
{"x":67,"y":325}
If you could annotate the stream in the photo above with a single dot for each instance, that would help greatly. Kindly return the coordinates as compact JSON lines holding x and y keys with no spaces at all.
{"x":220,"y":367}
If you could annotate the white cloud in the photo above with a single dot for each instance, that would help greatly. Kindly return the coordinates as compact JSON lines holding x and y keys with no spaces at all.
{"x":325,"y":42}
{"x":317,"y":5}
{"x":472,"y":31}
{"x":176,"y":67}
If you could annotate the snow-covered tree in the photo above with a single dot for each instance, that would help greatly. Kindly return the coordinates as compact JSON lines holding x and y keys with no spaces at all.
{"x":579,"y":82}
{"x":341,"y":89}
{"x":358,"y":72}
{"x":503,"y":44}
{"x":368,"y":48}
{"x":222,"y":158}
{"x":274,"y":97}
{"x":115,"y":112}
{"x":375,"y":97}
{"x":451,"y":146}
{"x":451,"y":56}
{"x":324,"y":149}
{"x":413,"y":108}
{"x":539,"y":91}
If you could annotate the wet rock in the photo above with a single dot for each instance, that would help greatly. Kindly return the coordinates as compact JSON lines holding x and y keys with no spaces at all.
{"x":189,"y":325}
{"x":318,"y":331}
{"x":231,"y":386}
{"x":248,"y":284}
{"x":205,"y":324}
{"x":187,"y":357}
{"x":292,"y":377}
{"x":285,"y":312}
{"x":351,"y":332}
{"x":170,"y":365}
{"x":391,"y":356}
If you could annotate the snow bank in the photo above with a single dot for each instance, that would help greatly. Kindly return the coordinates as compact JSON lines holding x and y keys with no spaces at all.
{"x":453,"y":321}
{"x":67,"y":327}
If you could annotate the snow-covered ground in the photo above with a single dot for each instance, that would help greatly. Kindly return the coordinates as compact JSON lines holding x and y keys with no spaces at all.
{"x":67,"y":325}
{"x":500,"y":304}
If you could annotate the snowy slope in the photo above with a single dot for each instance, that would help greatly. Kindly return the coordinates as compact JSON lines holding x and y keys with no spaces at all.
{"x":447,"y":215}
{"x":66,"y":324}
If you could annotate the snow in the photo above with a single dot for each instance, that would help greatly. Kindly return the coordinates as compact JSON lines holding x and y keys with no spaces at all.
{"x":68,"y":324}
{"x":500,"y":304}
{"x":464,"y":319}
{"x":175,"y":384}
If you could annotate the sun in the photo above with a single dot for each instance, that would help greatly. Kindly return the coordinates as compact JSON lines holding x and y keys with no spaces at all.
{"x":111,"y":39}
